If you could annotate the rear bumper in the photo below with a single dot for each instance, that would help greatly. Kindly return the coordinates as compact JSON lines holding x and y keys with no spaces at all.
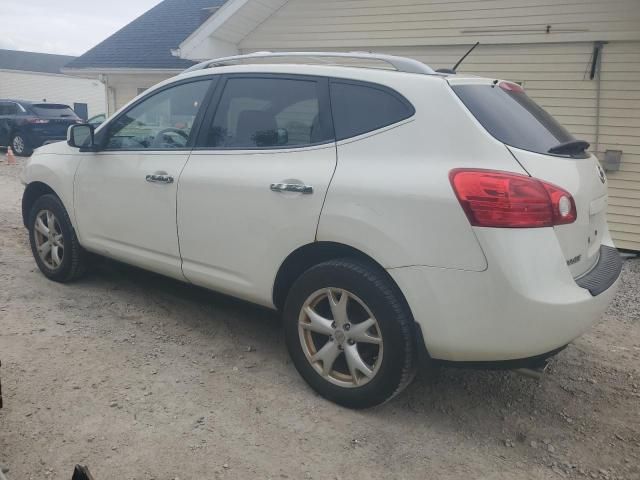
{"x":604,"y":274}
{"x":525,"y":304}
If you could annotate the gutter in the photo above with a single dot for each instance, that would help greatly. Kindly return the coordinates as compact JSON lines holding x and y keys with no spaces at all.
{"x":109,"y":71}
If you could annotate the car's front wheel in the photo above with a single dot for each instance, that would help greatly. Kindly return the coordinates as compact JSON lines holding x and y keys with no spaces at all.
{"x":349,"y":333}
{"x":53,"y":240}
{"x":20,"y":146}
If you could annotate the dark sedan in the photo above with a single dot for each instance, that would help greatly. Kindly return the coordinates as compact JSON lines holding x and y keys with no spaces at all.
{"x":27,"y":125}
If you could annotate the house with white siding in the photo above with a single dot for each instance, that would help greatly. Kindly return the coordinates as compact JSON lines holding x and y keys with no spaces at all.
{"x":580,"y":59}
{"x":139,"y":55}
{"x":38,"y":77}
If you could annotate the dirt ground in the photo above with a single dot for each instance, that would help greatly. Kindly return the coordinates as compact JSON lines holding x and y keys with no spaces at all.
{"x":141,"y":377}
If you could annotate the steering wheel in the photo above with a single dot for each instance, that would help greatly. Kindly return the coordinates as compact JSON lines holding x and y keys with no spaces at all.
{"x":163,"y":139}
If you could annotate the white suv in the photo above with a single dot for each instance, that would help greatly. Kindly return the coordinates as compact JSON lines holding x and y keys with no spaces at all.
{"x":386,"y":213}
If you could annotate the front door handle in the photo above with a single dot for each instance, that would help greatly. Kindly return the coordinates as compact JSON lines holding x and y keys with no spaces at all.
{"x":159,"y":178}
{"x":292,"y":187}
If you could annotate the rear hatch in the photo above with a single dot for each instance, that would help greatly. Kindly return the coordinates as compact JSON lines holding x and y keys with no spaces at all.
{"x":55,"y":117}
{"x":547,"y":151}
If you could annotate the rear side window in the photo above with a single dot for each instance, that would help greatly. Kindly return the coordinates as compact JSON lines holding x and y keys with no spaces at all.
{"x":508,"y":114}
{"x":51,"y":110}
{"x":263,"y":113}
{"x":363,"y":107}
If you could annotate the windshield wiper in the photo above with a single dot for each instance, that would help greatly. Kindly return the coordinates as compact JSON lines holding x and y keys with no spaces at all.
{"x":574,"y":147}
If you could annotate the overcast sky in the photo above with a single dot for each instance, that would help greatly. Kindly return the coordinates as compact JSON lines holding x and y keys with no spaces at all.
{"x":69,"y":27}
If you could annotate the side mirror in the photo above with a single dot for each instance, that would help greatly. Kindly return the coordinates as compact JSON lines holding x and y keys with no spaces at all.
{"x":81,"y":136}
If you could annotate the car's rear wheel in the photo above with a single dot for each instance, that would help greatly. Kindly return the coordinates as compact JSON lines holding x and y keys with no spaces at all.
{"x":53,"y":240}
{"x":349,"y":333}
{"x":20,"y":146}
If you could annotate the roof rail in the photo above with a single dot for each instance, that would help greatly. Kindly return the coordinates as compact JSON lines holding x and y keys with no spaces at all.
{"x":401,"y":64}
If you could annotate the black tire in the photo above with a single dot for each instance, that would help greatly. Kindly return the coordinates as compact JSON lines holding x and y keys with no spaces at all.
{"x":18,"y":139}
{"x":396,"y":326}
{"x":74,"y":257}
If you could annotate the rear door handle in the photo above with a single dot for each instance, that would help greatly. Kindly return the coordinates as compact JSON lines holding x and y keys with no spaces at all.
{"x":159,"y":178}
{"x":292,"y":187}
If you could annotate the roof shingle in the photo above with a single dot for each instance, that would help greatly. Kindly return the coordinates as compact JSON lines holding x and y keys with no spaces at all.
{"x":147,"y":41}
{"x":32,"y":61}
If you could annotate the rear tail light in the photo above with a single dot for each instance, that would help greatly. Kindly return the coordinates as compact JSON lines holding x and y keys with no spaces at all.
{"x":37,"y":121}
{"x":509,"y":200}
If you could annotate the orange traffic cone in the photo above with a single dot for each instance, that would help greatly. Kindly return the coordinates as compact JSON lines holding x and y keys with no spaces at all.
{"x":11,"y":158}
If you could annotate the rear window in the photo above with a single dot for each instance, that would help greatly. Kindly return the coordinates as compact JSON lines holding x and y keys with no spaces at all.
{"x":512,"y":117}
{"x":51,"y":110}
{"x":362,"y":107}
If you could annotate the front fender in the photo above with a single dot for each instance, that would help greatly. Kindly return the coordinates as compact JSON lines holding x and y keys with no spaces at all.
{"x":56,"y":172}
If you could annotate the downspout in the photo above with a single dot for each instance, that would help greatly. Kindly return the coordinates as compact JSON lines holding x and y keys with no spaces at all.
{"x":596,"y":70}
{"x":105,"y":81}
{"x":114,"y":103}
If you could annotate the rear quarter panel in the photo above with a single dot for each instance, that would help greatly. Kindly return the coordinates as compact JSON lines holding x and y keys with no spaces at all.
{"x":391,"y":196}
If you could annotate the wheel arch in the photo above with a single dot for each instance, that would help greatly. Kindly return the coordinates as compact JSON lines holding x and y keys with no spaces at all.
{"x":32,"y":192}
{"x":312,"y":254}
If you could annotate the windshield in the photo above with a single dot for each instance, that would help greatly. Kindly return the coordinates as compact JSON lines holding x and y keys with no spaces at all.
{"x":508,"y":114}
{"x":52,"y":110}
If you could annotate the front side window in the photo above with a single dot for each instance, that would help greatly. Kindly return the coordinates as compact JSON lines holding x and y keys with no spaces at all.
{"x":267,"y":113}
{"x":360,"y":108}
{"x":163,"y":121}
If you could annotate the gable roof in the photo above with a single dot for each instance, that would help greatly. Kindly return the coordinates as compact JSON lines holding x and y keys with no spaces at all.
{"x":148,"y":40}
{"x":222,"y":31}
{"x":32,"y":61}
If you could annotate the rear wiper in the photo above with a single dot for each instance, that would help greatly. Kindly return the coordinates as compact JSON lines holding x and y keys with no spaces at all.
{"x":573,"y":147}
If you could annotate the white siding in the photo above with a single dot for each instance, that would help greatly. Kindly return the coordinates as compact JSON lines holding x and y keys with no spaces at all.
{"x":124,"y":87}
{"x":53,"y":88}
{"x":620,"y":130}
{"x":246,"y":18}
{"x":374,"y":23}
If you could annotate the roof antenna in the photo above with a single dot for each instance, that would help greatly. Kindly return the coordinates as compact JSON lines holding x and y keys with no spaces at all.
{"x":455,"y":67}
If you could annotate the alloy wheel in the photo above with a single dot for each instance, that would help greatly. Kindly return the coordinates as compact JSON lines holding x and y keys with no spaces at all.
{"x":340,"y":337}
{"x":18,"y":144}
{"x":49,"y":239}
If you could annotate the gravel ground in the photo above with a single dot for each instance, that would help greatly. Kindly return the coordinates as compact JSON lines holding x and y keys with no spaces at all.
{"x":141,"y":377}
